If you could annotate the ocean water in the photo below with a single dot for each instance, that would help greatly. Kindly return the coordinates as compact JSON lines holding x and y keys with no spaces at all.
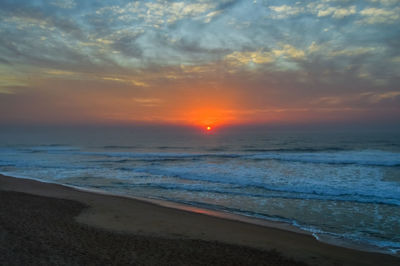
{"x":342,"y":185}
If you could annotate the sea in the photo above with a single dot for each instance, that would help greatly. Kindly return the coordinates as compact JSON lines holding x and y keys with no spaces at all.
{"x":340,"y":185}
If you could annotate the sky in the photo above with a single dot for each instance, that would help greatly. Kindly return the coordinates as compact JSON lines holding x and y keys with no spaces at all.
{"x":199,"y":62}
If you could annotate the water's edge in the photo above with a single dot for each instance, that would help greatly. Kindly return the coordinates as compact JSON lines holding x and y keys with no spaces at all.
{"x":346,"y":243}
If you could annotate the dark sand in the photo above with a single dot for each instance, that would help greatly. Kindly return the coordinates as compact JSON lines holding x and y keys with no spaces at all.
{"x":58,"y":225}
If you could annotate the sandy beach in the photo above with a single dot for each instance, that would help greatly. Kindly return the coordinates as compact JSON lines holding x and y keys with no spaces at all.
{"x":44,"y":223}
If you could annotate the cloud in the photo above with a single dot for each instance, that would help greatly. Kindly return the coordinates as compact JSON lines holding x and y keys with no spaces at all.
{"x":23,"y":22}
{"x":211,"y":15}
{"x":57,"y":72}
{"x":329,"y":100}
{"x":371,"y":15}
{"x":148,"y":102}
{"x":380,"y":15}
{"x":316,"y":8}
{"x":337,"y":12}
{"x":259,"y":57}
{"x":352,"y":51}
{"x":244,"y":58}
{"x":285,"y":11}
{"x":156,"y":14}
{"x":10,"y":79}
{"x":289,"y":51}
{"x":162,"y":49}
{"x":385,"y":2}
{"x":171,"y":12}
{"x":127,"y":45}
{"x":314,"y":47}
{"x":361,"y":100}
{"x":67,"y":4}
{"x":135,"y":82}
{"x":376,"y":97}
{"x":328,"y":51}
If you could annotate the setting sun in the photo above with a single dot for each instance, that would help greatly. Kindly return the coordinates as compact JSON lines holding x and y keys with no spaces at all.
{"x":208,"y":128}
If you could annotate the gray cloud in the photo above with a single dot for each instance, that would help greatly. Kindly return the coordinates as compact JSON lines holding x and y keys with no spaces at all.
{"x":280,"y":53}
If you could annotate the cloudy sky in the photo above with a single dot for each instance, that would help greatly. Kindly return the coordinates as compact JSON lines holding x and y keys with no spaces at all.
{"x":199,"y":62}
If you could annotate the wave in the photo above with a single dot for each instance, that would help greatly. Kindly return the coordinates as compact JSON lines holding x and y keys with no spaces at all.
{"x":53,"y":148}
{"x":54,"y":145}
{"x":367,"y":187}
{"x":159,"y":156}
{"x":325,"y":155}
{"x":132,"y":147}
{"x":174,"y":147}
{"x":296,"y":150}
{"x":274,"y":193}
{"x":309,"y":175}
{"x":119,"y":147}
{"x":366,"y":157}
{"x":6,"y":164}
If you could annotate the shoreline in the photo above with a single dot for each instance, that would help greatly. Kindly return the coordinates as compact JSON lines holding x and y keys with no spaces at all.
{"x":185,"y":207}
{"x":127,"y":214}
{"x":323,"y":238}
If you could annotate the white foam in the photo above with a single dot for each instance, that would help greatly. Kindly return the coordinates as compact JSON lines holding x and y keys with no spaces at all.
{"x":365,"y":157}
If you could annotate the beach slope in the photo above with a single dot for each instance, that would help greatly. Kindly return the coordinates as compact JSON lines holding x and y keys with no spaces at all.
{"x":80,"y":227}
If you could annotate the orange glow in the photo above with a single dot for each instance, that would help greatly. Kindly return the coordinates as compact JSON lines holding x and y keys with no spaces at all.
{"x":208,"y":117}
{"x":208,"y":128}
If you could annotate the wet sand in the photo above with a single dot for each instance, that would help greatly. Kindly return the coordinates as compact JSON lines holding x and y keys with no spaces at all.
{"x":57,"y":225}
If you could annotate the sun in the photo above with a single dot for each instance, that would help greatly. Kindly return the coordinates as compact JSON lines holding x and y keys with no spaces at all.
{"x":208,"y":128}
